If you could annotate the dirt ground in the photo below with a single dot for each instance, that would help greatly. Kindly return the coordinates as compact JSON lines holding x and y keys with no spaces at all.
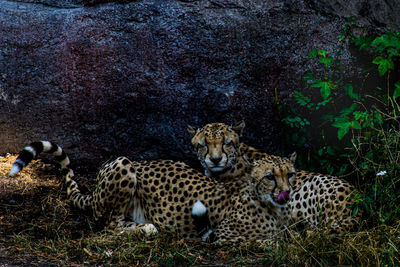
{"x":32,"y":206}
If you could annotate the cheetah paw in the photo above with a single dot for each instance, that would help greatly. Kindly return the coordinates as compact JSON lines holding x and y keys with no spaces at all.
{"x":149,"y":230}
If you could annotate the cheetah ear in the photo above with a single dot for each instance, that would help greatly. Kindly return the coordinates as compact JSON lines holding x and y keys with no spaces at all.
{"x":250,"y":160}
{"x":293,"y":157}
{"x":191,"y":131}
{"x":253,"y":163}
{"x":239,"y":127}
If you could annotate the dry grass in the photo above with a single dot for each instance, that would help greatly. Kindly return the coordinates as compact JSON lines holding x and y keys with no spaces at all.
{"x":38,"y":227}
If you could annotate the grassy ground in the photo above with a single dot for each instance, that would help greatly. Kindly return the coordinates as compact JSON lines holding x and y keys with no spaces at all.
{"x":38,"y":227}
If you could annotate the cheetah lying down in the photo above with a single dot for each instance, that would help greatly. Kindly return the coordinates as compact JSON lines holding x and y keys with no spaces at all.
{"x":316,"y":200}
{"x":150,"y":195}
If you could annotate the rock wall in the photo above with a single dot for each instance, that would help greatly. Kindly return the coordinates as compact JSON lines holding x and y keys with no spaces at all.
{"x":105,"y":78}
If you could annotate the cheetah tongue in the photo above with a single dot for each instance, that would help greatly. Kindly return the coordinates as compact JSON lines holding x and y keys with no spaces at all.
{"x":283,"y":197}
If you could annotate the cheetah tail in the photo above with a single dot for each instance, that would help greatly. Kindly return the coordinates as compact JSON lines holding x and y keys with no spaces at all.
{"x":202,"y":222}
{"x":34,"y":149}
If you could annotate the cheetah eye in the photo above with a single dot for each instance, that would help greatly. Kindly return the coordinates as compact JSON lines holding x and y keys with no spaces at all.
{"x":269,"y":176}
{"x":228,"y":142}
{"x":201,"y":144}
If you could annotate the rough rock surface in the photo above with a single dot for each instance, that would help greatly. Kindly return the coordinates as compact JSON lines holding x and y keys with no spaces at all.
{"x":105,"y":78}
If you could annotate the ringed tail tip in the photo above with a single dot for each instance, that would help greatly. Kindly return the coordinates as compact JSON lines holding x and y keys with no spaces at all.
{"x":16,"y":167}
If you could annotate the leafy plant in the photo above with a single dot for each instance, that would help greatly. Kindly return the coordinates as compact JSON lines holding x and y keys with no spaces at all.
{"x":342,"y":127}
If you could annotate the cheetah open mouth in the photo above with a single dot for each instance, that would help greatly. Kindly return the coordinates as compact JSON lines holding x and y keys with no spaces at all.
{"x":282,"y":197}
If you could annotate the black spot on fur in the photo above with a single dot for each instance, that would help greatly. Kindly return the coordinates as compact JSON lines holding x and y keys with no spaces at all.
{"x":124,"y":183}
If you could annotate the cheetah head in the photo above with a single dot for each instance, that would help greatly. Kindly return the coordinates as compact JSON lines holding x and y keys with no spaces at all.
{"x":217,"y":146}
{"x":272,"y":180}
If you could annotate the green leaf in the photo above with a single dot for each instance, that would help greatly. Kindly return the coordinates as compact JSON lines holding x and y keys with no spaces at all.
{"x":384,"y":64}
{"x":356,"y":125}
{"x":343,"y":169}
{"x":359,"y":114}
{"x":380,"y":42}
{"x":364,"y":165}
{"x":396,"y":92}
{"x":312,"y":53}
{"x":326,"y":60}
{"x":329,"y":168}
{"x":322,"y":52}
{"x":363,"y":42}
{"x":302,"y":100}
{"x":348,"y":88}
{"x":323,"y":103}
{"x":330,"y":151}
{"x":316,"y":83}
{"x":342,"y":132}
{"x":346,"y":111}
{"x":355,"y":211}
{"x":296,"y":121}
{"x":325,"y":88}
{"x":344,"y":128}
{"x":378,"y":117}
{"x":393,"y":52}
{"x":387,"y":40}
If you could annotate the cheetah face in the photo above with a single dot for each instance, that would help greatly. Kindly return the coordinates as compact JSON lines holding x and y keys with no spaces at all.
{"x":273,"y":180}
{"x":217,"y":146}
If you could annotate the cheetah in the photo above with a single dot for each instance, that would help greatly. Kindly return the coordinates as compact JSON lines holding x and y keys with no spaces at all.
{"x":147,"y":196}
{"x":316,"y":199}
{"x":218,"y":149}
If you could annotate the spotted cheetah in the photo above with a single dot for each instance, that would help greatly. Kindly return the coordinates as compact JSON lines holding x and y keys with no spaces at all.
{"x":316,"y":199}
{"x":150,"y":195}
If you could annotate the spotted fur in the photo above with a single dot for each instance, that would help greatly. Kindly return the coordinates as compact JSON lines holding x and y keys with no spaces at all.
{"x":316,"y":199}
{"x":150,"y":195}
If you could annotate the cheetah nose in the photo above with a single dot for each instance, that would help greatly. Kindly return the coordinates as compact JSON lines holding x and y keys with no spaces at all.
{"x":283,"y":197}
{"x":216,"y":160}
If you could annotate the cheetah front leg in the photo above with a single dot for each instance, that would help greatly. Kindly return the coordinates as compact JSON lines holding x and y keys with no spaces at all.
{"x":232,"y":230}
{"x":225,"y":233}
